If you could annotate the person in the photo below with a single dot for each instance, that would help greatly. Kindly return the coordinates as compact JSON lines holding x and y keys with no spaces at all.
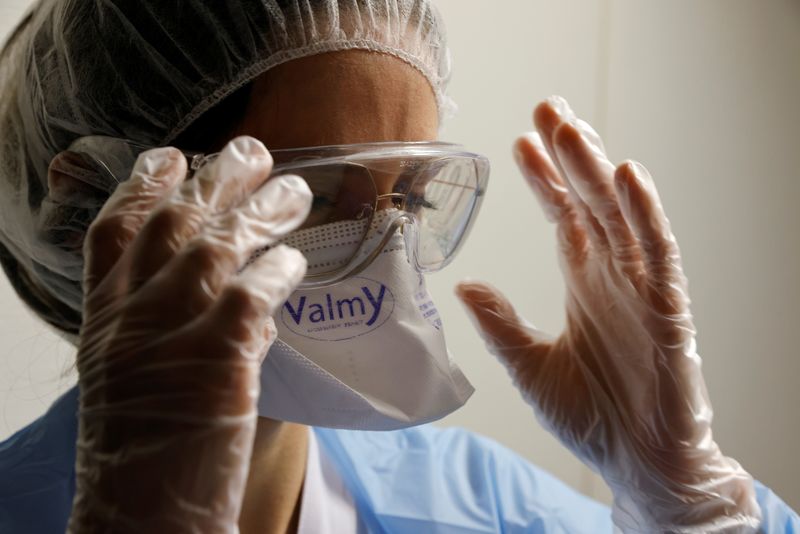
{"x":177,"y":276}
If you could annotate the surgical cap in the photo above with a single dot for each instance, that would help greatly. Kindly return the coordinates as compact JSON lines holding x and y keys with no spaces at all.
{"x":145,"y":71}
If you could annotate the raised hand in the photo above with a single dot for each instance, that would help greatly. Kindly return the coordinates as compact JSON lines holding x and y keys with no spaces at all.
{"x":176,"y":325}
{"x":622,"y":386}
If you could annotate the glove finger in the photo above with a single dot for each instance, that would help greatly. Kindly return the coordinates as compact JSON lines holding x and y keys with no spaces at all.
{"x":241,"y":168}
{"x":242,"y":317}
{"x":591,"y":175}
{"x":642,"y":208}
{"x":227,"y":345}
{"x":548,"y":116}
{"x":154,"y":175}
{"x":209,"y":366}
{"x":546,"y":183}
{"x":194,"y":278}
{"x":522,"y":348}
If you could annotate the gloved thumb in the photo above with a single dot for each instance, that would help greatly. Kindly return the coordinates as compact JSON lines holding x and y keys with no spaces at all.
{"x":518,"y":344}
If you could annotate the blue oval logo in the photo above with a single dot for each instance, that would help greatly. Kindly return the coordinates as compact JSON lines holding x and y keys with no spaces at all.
{"x":338,"y":313}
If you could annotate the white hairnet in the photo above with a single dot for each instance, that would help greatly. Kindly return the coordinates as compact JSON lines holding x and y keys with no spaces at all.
{"x":145,"y":71}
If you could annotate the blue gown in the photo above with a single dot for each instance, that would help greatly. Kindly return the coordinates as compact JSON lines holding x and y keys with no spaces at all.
{"x":418,"y":480}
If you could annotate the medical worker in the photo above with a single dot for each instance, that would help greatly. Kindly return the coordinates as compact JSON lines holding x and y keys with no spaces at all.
{"x":256,"y":349}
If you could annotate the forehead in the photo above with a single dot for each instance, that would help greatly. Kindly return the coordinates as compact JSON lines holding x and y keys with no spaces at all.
{"x":341,"y":98}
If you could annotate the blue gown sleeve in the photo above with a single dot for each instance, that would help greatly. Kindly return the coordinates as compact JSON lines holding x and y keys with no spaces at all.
{"x":426,"y":480}
{"x":37,"y":471}
{"x":451,"y":481}
{"x":776,"y":516}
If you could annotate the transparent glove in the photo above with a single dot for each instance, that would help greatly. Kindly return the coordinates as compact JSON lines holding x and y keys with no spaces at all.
{"x":176,"y":323}
{"x":621,"y":387}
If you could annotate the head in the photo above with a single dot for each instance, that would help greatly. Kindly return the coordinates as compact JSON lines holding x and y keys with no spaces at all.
{"x":289,"y":75}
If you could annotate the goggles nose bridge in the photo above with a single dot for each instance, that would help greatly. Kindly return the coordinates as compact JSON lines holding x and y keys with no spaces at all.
{"x":390,"y":200}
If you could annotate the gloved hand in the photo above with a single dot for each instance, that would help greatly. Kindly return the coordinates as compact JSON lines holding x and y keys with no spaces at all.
{"x":621,"y":387}
{"x":175,"y":328}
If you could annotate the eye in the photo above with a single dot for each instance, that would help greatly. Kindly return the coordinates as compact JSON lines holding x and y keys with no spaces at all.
{"x":322,"y":202}
{"x":416,"y":201}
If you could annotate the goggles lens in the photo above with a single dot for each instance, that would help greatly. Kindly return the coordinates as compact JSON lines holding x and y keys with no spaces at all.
{"x":443,"y":202}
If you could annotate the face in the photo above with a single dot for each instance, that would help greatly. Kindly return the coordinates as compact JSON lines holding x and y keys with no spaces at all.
{"x":340,"y":98}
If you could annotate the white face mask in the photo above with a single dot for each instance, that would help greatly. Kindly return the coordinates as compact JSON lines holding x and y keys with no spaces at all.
{"x":367,"y":353}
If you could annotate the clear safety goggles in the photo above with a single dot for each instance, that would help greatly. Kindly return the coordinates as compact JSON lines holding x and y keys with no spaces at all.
{"x":430,"y":192}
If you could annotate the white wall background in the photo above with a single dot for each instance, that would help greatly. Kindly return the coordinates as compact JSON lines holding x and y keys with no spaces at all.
{"x":705,"y":93}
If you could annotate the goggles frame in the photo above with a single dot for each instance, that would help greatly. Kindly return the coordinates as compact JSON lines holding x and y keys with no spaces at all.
{"x":114,"y":158}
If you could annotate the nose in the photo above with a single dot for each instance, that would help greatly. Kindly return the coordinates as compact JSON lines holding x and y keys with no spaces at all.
{"x":385,"y":189}
{"x":384,"y":182}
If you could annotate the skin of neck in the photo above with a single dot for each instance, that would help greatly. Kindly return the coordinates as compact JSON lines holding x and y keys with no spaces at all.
{"x":333,"y":98}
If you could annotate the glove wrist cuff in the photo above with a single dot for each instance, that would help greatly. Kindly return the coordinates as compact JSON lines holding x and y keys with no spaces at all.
{"x":722,"y":502}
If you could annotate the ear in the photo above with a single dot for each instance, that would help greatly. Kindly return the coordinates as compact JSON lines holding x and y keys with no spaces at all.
{"x":75,"y":194}
{"x":78,"y":180}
